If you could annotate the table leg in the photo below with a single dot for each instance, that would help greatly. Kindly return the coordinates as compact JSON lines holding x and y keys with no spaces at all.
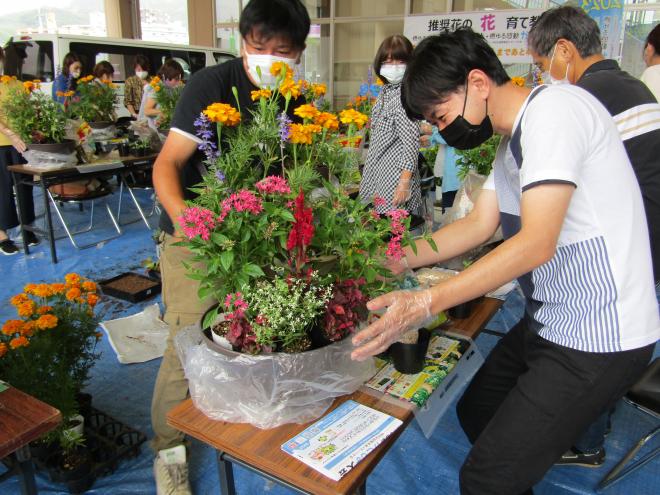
{"x":20,"y":200}
{"x":49,"y":221}
{"x":226,"y":472}
{"x":26,"y":471}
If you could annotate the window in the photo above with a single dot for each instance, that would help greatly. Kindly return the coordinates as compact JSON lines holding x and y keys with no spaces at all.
{"x":369,"y":8}
{"x":164,"y":21}
{"x":29,"y":60}
{"x":316,"y":57}
{"x":430,"y":6}
{"x":638,"y":24}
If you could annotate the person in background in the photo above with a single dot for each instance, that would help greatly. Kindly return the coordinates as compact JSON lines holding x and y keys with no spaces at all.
{"x":11,"y":149}
{"x":450,"y":181}
{"x":651,"y":55}
{"x":134,"y":85}
{"x":271,"y":31}
{"x":582,"y":261}
{"x":567,"y":40}
{"x":390,"y":171}
{"x":171,"y":73}
{"x":103,"y":71}
{"x":66,"y":79}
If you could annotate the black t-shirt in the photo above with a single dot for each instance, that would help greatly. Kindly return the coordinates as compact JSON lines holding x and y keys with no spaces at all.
{"x":208,"y":86}
{"x":626,"y":99}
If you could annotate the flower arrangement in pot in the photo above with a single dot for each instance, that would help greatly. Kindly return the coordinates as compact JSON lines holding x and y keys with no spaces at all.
{"x":166,"y":98}
{"x":293,"y":236}
{"x":49,"y":350}
{"x":34,"y":116}
{"x":94,"y":101}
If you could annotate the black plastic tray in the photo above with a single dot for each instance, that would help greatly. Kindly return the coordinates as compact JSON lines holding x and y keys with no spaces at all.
{"x":108,"y":441}
{"x":134,"y":296}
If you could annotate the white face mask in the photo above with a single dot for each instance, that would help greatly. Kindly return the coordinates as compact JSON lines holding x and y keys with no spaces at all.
{"x":142,"y":74}
{"x":264,"y":62}
{"x":549,"y":73}
{"x":75,"y":74}
{"x":393,"y":72}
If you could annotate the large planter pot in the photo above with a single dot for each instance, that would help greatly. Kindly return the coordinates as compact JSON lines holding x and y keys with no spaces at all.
{"x":66,"y":147}
{"x":267,"y":390}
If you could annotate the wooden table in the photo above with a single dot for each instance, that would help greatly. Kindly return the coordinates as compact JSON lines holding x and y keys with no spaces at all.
{"x":43,"y":177}
{"x":22,"y":420}
{"x":259,"y":450}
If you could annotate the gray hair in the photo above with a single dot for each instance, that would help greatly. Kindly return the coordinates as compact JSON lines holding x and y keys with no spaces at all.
{"x":569,"y":23}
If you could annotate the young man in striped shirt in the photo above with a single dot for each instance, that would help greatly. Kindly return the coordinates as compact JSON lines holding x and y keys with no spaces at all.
{"x":570,"y":39}
{"x":583,"y":261}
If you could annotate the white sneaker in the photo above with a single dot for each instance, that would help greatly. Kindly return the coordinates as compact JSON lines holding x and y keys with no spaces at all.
{"x":171,"y":472}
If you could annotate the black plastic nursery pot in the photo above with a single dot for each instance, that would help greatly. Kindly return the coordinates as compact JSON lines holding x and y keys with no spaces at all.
{"x":409,"y":358}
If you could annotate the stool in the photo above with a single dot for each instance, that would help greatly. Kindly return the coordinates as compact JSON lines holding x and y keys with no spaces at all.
{"x":57,"y":199}
{"x":644,"y":396}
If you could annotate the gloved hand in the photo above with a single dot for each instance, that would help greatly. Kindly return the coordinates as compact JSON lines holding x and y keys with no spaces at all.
{"x":406,"y":310}
{"x":402,"y":192}
{"x":17,"y":142}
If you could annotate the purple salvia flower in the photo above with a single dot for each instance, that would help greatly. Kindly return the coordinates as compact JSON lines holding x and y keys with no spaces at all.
{"x":285,"y":129}
{"x":203,"y":130}
{"x":219,"y":175}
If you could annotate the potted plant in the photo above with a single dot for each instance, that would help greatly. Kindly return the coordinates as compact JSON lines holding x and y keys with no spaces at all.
{"x":94,"y":102}
{"x":55,"y":336}
{"x":141,"y":147}
{"x":74,"y":463}
{"x":166,"y":98}
{"x":35,"y":117}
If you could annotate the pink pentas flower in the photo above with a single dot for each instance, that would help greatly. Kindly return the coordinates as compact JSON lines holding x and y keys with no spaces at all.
{"x":245,"y":200}
{"x":273,"y":184}
{"x":197,"y":221}
{"x":394,"y":249}
{"x":379,"y":201}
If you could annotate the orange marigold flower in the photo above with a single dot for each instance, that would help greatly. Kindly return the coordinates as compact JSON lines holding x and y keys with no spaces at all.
{"x":73,"y":293}
{"x":7,"y":79}
{"x":155,"y":81}
{"x":72,"y":278}
{"x":17,"y":342}
{"x":19,"y":299}
{"x":307,"y":111}
{"x":26,"y":309}
{"x":28,"y":329}
{"x":518,"y":81}
{"x":300,"y":134}
{"x":223,"y":113}
{"x":44,"y":322}
{"x":44,"y":309}
{"x":29,"y":288}
{"x":89,"y":286}
{"x":313,"y":128}
{"x":327,"y":120}
{"x":12,"y":327}
{"x":319,"y":89}
{"x":30,"y":86}
{"x":92,"y":299}
{"x":281,"y":68}
{"x":261,"y":93}
{"x":3,"y":349}
{"x":99,"y":335}
{"x":351,"y":116}
{"x":58,"y":288}
{"x":289,"y":88}
{"x":42,"y":290}
{"x":86,"y":79}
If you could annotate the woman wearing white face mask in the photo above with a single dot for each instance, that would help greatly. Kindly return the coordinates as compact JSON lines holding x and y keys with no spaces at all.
{"x":66,"y":79}
{"x":391,"y":170}
{"x":134,"y":85}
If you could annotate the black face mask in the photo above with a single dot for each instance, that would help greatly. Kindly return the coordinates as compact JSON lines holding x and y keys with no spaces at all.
{"x":462,"y":135}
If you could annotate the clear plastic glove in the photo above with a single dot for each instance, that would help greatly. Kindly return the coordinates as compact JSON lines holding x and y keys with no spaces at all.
{"x":397,"y":267}
{"x":424,"y":141}
{"x":402,"y":192}
{"x":406,"y":310}
{"x":17,"y":143}
{"x":425,"y":128}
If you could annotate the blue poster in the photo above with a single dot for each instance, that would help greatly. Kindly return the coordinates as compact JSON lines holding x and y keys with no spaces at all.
{"x":609,"y":16}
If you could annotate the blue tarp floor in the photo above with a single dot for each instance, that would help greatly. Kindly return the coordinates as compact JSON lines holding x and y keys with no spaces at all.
{"x":414,"y":465}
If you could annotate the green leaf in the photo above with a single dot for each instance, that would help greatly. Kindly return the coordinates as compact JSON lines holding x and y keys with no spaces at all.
{"x":371,"y":275}
{"x":432,"y":243}
{"x":246,"y":235}
{"x":204,"y":292}
{"x":252,"y":270}
{"x":287,"y":215}
{"x":227,"y":258}
{"x":210,"y":317}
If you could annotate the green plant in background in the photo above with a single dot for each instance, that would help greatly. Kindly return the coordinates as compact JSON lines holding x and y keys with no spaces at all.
{"x":166,"y":98}
{"x":479,"y":159}
{"x":31,"y":114}
{"x":94,"y":102}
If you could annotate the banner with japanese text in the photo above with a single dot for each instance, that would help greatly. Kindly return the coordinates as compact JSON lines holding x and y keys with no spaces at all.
{"x":609,"y":16}
{"x":505,"y":30}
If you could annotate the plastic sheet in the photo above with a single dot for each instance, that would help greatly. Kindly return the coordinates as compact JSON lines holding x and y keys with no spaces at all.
{"x":44,"y":159}
{"x":268,"y":390}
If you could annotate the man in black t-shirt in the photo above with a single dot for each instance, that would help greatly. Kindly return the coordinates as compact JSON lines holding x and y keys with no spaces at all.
{"x":570,"y":40}
{"x":271,"y":30}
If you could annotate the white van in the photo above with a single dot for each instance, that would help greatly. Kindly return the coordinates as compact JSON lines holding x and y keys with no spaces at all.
{"x":42,"y":54}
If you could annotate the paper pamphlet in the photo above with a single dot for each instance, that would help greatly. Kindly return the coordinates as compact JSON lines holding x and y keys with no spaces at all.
{"x":441,"y":357}
{"x":338,"y":441}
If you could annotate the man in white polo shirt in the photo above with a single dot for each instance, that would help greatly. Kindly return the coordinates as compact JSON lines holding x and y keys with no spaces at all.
{"x":583,"y":262}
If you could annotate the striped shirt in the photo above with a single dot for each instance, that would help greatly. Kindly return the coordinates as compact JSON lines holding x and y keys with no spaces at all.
{"x":597,"y":293}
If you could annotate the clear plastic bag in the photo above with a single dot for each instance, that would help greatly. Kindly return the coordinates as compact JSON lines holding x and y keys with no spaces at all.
{"x":46,"y":159}
{"x":268,"y":390}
